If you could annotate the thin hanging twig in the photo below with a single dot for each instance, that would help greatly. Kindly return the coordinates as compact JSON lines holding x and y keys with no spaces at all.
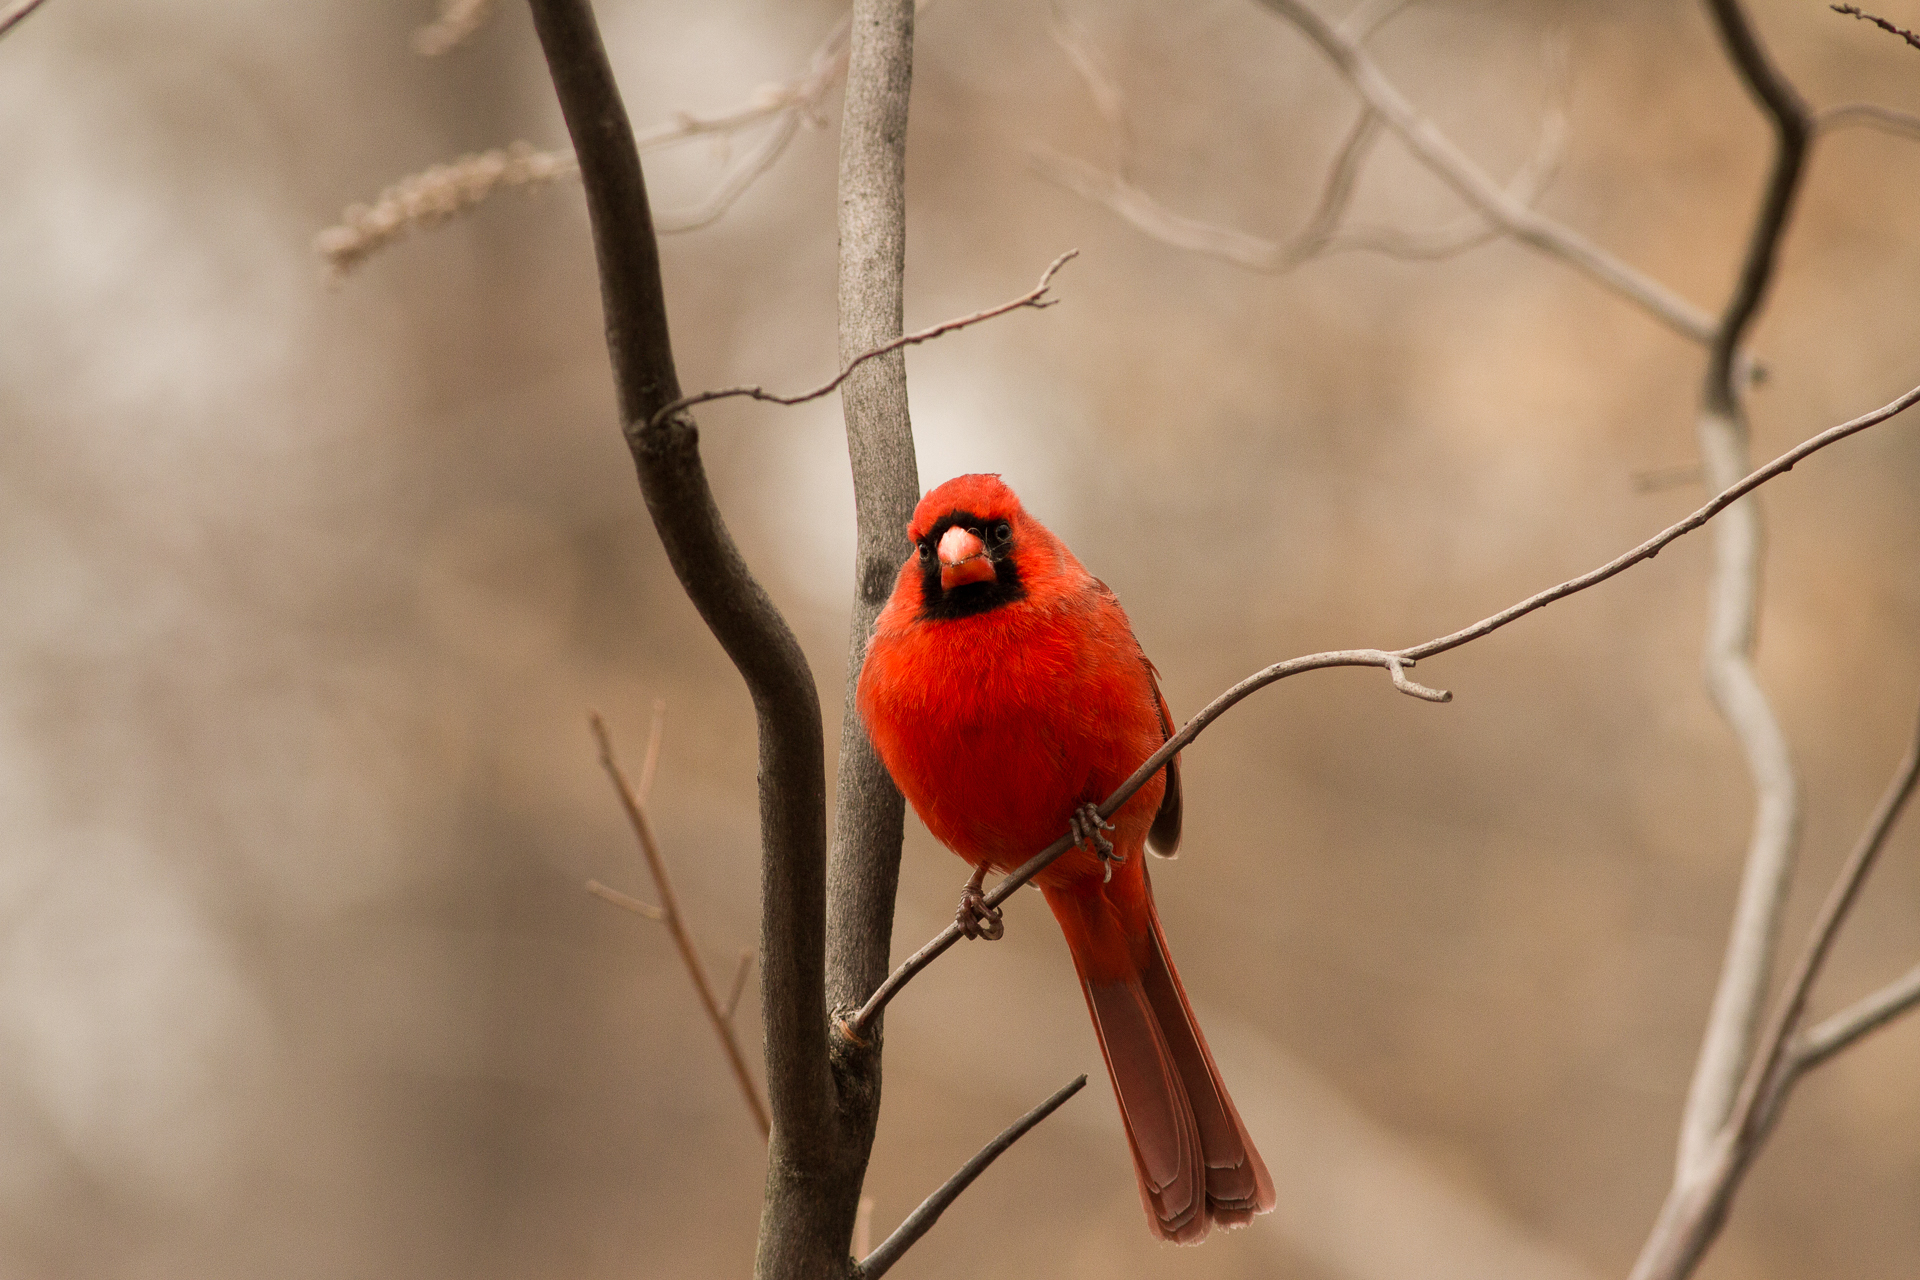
{"x":669,"y":910}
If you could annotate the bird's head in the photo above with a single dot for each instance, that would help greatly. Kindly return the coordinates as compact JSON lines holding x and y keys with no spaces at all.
{"x":968,"y":540}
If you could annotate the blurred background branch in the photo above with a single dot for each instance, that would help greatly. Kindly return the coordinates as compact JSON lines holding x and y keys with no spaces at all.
{"x":441,"y":192}
{"x":634,"y":801}
{"x":14,"y":12}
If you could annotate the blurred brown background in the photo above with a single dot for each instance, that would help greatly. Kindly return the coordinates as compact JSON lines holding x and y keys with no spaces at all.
{"x":305,"y":593}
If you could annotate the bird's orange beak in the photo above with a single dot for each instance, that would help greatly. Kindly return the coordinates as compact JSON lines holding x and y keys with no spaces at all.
{"x":963,"y":559}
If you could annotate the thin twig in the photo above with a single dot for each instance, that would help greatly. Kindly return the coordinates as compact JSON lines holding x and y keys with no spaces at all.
{"x":676,"y":925}
{"x":1773,"y":1061}
{"x":739,"y":983}
{"x":627,"y":901}
{"x":1853,"y":11}
{"x":1869,"y":114}
{"x":656,"y":736}
{"x":18,"y":11}
{"x":875,"y":1264}
{"x":1342,"y":176}
{"x":855,"y":1026}
{"x":1856,"y":1020}
{"x":1034,"y":297}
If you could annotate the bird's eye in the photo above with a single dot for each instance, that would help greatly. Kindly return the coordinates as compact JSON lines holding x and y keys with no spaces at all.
{"x":1002,"y":531}
{"x":925,"y":550}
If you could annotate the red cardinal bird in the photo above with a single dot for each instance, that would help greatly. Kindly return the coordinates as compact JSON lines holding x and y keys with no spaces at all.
{"x":1006,"y":694}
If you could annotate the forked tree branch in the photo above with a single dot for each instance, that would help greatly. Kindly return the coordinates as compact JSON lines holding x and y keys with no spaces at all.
{"x":1321,"y":236}
{"x":917,"y":1223}
{"x":1034,"y":297}
{"x":1508,"y":209}
{"x":1778,"y":1060}
{"x":1455,"y":168}
{"x":715,"y":577}
{"x":1391,"y":660}
{"x":668,"y":912}
{"x":1697,"y":1204}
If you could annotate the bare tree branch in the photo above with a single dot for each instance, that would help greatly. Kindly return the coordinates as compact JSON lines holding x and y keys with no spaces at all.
{"x":875,"y":1264}
{"x":441,"y":192}
{"x":1857,"y":1020}
{"x":1390,"y":660}
{"x":1733,"y":620}
{"x":669,"y":912}
{"x":734,"y":606}
{"x":1034,"y":297}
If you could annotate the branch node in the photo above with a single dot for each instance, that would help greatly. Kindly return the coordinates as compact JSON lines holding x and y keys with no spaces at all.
{"x":1034,"y":298}
{"x":1396,"y":668}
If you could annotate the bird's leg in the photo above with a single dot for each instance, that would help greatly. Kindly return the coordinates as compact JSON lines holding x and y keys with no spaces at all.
{"x":975,"y":918}
{"x":1088,"y":829}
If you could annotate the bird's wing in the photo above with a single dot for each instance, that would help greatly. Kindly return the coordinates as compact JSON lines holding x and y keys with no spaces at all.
{"x":1163,"y":837}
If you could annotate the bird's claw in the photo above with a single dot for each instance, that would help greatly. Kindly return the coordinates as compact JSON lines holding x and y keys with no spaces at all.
{"x":975,"y":918}
{"x":1089,"y":829}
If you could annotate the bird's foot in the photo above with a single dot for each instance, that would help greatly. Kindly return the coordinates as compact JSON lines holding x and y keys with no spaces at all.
{"x":975,"y":918}
{"x":1089,"y":830}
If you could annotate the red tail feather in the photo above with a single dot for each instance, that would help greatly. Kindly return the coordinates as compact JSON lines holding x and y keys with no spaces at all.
{"x":1196,"y":1163}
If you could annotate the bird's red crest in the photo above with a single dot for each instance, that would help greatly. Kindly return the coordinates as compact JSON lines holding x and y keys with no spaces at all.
{"x":983,"y":494}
